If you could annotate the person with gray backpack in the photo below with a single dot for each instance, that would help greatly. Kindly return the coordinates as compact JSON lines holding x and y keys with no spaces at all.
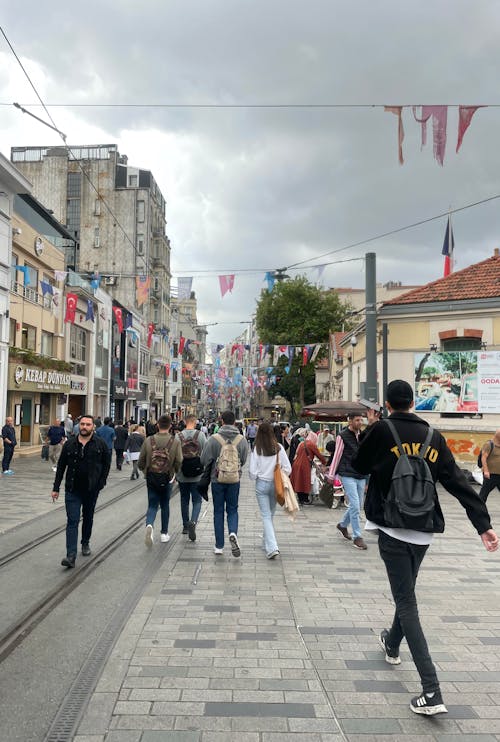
{"x":225,"y":453}
{"x":404,"y":460}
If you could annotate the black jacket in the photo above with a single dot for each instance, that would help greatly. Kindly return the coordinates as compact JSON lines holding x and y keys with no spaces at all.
{"x":351,"y":447}
{"x":377,"y":456}
{"x":121,"y":434}
{"x":98,"y":464}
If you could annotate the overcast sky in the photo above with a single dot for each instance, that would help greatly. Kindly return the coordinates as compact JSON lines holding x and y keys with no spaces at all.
{"x":263,"y":188}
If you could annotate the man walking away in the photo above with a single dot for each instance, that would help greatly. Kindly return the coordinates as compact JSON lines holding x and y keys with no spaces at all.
{"x":68,"y":425}
{"x":251,"y":434}
{"x":107,"y":433}
{"x":55,"y":438}
{"x":226,"y":451}
{"x":192,"y":443}
{"x":9,"y":444}
{"x":346,"y":447}
{"x":490,"y":460}
{"x":403,"y":548}
{"x":86,"y":462}
{"x":121,"y":435}
{"x":160,"y":459}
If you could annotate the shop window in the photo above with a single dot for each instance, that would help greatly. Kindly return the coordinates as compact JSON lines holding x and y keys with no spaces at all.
{"x":28,"y":337}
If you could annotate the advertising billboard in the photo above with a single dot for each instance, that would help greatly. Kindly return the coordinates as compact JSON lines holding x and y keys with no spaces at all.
{"x":465,"y":382}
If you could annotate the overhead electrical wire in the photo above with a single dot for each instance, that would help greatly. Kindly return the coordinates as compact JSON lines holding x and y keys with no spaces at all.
{"x":239,"y":105}
{"x":54,"y":126}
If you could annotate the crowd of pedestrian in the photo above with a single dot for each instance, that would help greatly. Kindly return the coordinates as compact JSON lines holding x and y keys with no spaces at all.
{"x":367,"y":463}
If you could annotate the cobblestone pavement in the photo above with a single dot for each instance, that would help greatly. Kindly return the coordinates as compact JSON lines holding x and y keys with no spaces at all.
{"x":251,"y":650}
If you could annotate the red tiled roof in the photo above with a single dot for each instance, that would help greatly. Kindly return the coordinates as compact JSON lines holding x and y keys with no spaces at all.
{"x":478,"y":281}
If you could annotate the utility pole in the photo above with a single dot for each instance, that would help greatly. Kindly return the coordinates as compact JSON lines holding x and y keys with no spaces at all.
{"x":371,"y":327}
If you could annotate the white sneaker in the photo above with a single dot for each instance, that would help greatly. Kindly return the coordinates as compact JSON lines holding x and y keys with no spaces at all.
{"x":149,"y":537}
{"x":164,"y":538}
{"x":218,"y":551}
{"x":54,"y":468}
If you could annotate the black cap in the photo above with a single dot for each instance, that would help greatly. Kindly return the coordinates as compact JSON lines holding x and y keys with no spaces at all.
{"x":399,"y":394}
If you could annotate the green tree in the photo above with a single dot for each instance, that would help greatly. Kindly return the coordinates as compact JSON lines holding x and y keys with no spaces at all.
{"x":297,"y":313}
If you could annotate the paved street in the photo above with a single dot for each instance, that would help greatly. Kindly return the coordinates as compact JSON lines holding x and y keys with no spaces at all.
{"x":256,"y":651}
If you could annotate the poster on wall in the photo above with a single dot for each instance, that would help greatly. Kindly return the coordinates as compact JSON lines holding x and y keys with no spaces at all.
{"x":447,"y":382}
{"x":488,"y":371}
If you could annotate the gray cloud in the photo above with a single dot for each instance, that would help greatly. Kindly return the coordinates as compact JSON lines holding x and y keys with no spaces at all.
{"x":261,"y":188}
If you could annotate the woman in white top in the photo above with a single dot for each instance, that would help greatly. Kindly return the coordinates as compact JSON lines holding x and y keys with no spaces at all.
{"x":261,"y":469}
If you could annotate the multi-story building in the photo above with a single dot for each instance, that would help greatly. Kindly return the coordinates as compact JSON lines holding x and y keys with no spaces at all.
{"x":116,"y":213}
{"x":188,"y":388}
{"x":11,"y":182}
{"x":43,"y":373}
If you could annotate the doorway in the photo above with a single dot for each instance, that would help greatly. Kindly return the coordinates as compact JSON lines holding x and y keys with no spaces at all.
{"x":26,"y":419}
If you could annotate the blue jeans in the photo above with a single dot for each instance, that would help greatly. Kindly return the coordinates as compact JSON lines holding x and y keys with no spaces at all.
{"x":264,"y":491}
{"x":158,"y":498}
{"x":402,"y":562}
{"x":355,"y":491}
{"x":189,"y":491}
{"x":75,"y":502}
{"x":225,"y":497}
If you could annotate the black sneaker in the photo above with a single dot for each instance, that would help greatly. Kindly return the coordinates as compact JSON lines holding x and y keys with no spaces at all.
{"x":391,"y":655}
{"x":185,"y":530}
{"x":69,"y":561}
{"x":343,"y":530}
{"x":428,"y":704}
{"x":86,"y":550}
{"x":191,"y":529}
{"x":235,"y":547}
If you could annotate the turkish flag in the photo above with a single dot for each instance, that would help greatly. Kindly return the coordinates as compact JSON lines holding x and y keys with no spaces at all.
{"x":119,"y":318}
{"x":182,"y":342}
{"x":71,"y":300}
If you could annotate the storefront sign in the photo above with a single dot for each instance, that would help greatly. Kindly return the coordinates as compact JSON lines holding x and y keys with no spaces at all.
{"x":32,"y":378}
{"x":120,"y":390}
{"x":78,"y":384}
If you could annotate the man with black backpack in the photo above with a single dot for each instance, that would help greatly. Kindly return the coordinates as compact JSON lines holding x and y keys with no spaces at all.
{"x":160,"y":460}
{"x":225,"y":453}
{"x":192,"y":442}
{"x":402,"y":504}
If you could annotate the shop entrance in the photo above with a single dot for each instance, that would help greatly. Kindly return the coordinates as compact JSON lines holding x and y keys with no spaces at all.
{"x":26,"y":419}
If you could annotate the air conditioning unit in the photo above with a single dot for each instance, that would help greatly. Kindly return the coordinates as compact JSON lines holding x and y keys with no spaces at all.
{"x":110,"y":281}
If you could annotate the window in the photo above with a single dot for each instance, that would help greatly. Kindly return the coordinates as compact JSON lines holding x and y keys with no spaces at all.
{"x":462,"y":343}
{"x":12,"y":333}
{"x":78,"y":344}
{"x":96,"y":237}
{"x":13,"y":272}
{"x":74,"y":189}
{"x":47,"y":344}
{"x":140,"y":211}
{"x":174,"y":401}
{"x":28,"y":337}
{"x":47,"y":299}
{"x":132,"y":181}
{"x":31,"y":290}
{"x":175,"y":348}
{"x":97,"y":207}
{"x":140,"y":243}
{"x":175,"y":375}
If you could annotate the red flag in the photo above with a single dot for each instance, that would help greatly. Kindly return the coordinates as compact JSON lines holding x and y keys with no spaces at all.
{"x":151,"y":329}
{"x":447,"y":251}
{"x":71,"y":301}
{"x":118,"y":318}
{"x":167,"y":370}
{"x":305,"y":355}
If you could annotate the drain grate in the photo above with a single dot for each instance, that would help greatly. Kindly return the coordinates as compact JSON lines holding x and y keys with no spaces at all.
{"x":70,"y":712}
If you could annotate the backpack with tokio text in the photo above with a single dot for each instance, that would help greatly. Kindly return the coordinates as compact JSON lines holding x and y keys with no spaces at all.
{"x":227,"y":466}
{"x":412,"y":496}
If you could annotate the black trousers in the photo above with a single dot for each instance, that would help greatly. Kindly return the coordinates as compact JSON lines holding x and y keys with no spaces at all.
{"x":8,"y":453}
{"x":488,"y":485}
{"x":402,"y":561}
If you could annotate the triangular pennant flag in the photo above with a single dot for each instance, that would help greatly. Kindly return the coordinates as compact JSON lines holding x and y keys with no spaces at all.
{"x":269,"y":277}
{"x":226,"y":284}
{"x":90,"y":311}
{"x":46,"y":288}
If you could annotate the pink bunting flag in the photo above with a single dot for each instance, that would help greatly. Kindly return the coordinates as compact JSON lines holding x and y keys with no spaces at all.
{"x":439,"y":116}
{"x":226,"y":284}
{"x":465,"y":114}
{"x":398,"y":111}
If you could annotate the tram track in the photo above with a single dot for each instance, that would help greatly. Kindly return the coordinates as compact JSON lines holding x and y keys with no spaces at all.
{"x":30,"y":545}
{"x":22,"y":627}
